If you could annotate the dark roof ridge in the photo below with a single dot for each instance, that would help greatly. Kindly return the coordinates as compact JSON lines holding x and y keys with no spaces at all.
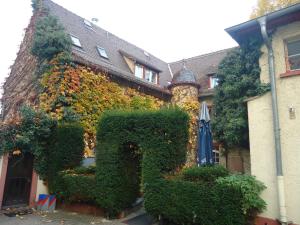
{"x":111,"y":34}
{"x":204,"y":55}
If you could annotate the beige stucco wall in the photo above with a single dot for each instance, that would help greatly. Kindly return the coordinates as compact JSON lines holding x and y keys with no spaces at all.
{"x":41,"y":189}
{"x":262,"y":136}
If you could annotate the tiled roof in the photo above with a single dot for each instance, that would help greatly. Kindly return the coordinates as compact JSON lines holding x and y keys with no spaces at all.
{"x":115,"y":47}
{"x":91,"y":38}
{"x":202,"y":66}
{"x":184,"y":76}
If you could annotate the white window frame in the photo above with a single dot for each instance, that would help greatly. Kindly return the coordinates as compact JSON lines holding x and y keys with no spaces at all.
{"x":213,"y":82}
{"x":216,"y":154}
{"x":75,"y":41}
{"x":141,"y":76}
{"x":288,"y":57}
{"x":88,"y":24}
{"x":153,"y":78}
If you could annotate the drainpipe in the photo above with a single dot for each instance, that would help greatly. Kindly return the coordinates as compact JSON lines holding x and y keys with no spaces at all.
{"x":170,"y":70}
{"x":280,"y":182}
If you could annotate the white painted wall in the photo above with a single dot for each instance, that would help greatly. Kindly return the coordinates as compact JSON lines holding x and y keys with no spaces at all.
{"x":261,"y":130}
{"x":262,"y":151}
{"x":41,"y":189}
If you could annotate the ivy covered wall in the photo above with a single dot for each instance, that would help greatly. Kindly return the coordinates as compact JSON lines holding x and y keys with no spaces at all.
{"x":45,"y":77}
{"x":78,"y":92}
{"x":186,"y":97}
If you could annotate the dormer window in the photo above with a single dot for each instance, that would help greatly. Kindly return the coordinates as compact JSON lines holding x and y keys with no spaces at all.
{"x":213,"y":81}
{"x":75,"y":41}
{"x":146,"y":73}
{"x":102,"y":52}
{"x":151,"y":76}
{"x":139,"y":71}
{"x":88,"y":23}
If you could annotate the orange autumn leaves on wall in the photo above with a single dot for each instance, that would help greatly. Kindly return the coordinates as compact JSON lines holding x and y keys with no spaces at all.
{"x":88,"y":95}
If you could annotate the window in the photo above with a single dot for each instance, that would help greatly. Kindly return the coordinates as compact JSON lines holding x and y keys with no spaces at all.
{"x":139,"y":71}
{"x":75,"y":41}
{"x":88,"y":24}
{"x":146,"y":73}
{"x":151,"y":76}
{"x":213,"y":82}
{"x":102,"y":52}
{"x":216,"y":154}
{"x":293,"y":55}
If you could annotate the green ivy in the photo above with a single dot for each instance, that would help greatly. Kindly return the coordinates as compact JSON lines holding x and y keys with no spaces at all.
{"x":55,"y":147}
{"x":238,"y":76}
{"x":32,"y":134}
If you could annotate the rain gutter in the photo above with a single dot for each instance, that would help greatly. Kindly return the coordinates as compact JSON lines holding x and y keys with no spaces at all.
{"x":279,"y":172}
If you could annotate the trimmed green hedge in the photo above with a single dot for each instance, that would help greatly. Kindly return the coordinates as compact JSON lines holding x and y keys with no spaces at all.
{"x":145,"y":148}
{"x":78,"y":185}
{"x":65,"y":151}
{"x":204,"y":174}
{"x":136,"y":148}
{"x":184,"y":202}
{"x":226,"y":200}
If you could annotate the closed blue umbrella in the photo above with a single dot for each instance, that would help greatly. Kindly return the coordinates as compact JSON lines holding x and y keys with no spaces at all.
{"x":205,"y":151}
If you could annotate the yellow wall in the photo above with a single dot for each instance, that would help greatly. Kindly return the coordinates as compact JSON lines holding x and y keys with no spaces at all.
{"x":261,"y":130}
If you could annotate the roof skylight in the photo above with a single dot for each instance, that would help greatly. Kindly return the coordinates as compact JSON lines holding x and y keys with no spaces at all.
{"x":88,"y":23}
{"x":75,"y":41}
{"x":102,"y":52}
{"x":146,"y":54}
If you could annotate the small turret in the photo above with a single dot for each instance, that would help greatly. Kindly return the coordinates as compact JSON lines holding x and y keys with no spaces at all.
{"x":185,"y":91}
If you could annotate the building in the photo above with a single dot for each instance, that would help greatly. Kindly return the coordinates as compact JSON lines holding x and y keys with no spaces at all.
{"x":125,"y":64}
{"x":274,"y":125}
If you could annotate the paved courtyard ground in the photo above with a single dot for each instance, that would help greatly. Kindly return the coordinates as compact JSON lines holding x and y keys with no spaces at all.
{"x":57,"y":218}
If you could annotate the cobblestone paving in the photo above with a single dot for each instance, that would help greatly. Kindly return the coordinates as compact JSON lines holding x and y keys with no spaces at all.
{"x":57,"y":218}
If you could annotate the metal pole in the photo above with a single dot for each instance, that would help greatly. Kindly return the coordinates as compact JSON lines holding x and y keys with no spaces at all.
{"x":280,"y":182}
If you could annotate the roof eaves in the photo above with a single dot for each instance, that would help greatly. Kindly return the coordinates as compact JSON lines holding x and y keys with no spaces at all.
{"x":121,"y":74}
{"x":238,"y":31}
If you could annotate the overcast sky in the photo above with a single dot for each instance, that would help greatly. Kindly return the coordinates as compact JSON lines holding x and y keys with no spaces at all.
{"x":169,"y":29}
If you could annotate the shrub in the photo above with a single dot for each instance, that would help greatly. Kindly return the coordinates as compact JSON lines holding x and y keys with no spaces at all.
{"x":65,"y":150}
{"x":250,"y":189}
{"x":204,"y":173}
{"x":77,"y":187}
{"x":31,"y":134}
{"x":134,"y":146}
{"x":50,"y":39}
{"x":185,"y":202}
{"x":231,"y":200}
{"x":238,"y":79}
{"x":90,"y":170}
{"x":153,"y":145}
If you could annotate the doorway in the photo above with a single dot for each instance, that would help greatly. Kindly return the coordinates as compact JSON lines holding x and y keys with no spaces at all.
{"x":18,"y":180}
